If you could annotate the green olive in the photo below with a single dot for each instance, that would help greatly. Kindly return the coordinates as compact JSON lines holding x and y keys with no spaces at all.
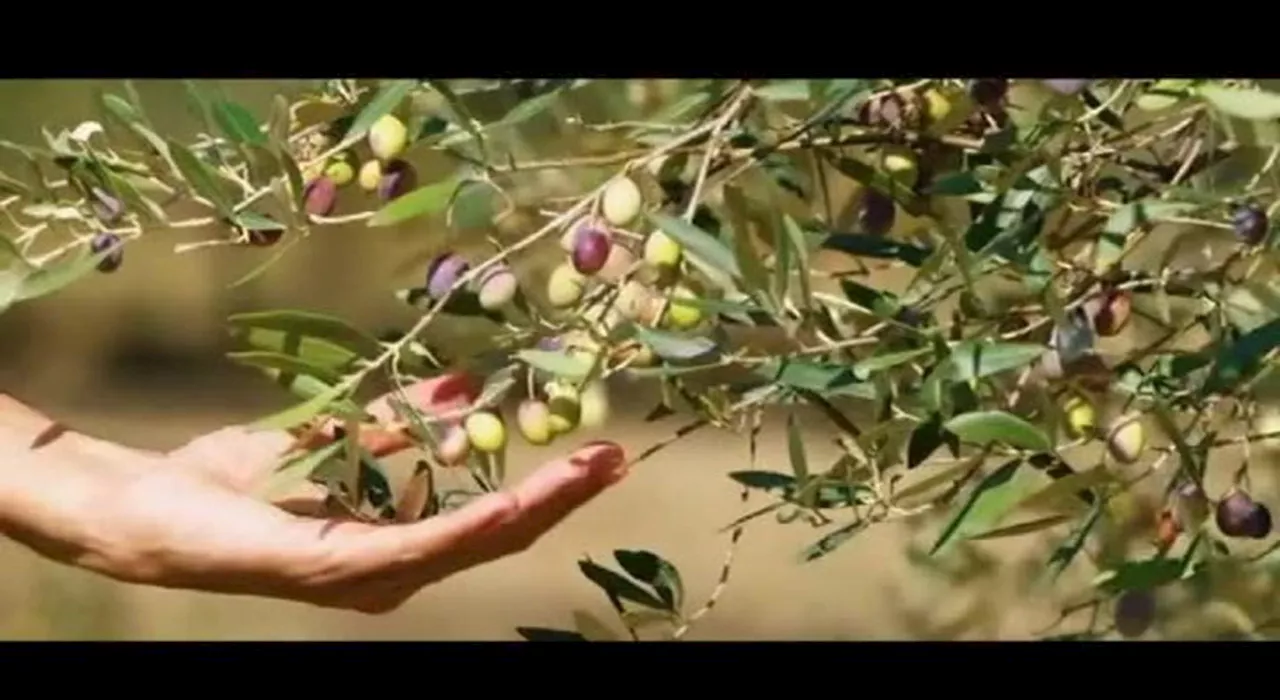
{"x":370,"y":175}
{"x":533,"y":418}
{"x":340,"y":172}
{"x":565,"y":286}
{"x":662,"y":251}
{"x":565,"y":407}
{"x":1126,"y":439}
{"x":594,"y":405}
{"x":388,"y":137}
{"x":682,"y":315}
{"x":621,"y":202}
{"x":486,"y":431}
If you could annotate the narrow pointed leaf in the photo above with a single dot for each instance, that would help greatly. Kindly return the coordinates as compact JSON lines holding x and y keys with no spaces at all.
{"x":388,"y":97}
{"x":697,"y":242}
{"x":985,"y":427}
{"x":424,"y":201}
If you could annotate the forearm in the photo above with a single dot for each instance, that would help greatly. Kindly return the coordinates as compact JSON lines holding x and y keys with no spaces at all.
{"x":53,"y":482}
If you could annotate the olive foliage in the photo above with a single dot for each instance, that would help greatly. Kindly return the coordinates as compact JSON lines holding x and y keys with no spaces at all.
{"x":1003,"y":386}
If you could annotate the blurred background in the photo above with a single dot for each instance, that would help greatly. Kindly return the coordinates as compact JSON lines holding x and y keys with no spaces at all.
{"x":137,"y":357}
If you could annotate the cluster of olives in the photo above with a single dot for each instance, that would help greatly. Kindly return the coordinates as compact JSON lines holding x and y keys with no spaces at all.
{"x":385,"y":173}
{"x":539,"y":422}
{"x":1126,"y":439}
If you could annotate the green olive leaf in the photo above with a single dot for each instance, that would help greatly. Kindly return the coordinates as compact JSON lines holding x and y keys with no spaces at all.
{"x":559,"y":364}
{"x":988,"y":504}
{"x":388,"y":97}
{"x":676,"y":346}
{"x":11,"y":279}
{"x":424,"y":201}
{"x":1254,"y":105}
{"x":649,"y":568}
{"x":202,"y":178}
{"x":288,"y":364}
{"x":298,"y":414}
{"x":986,"y":427}
{"x":618,"y":587}
{"x":47,"y":280}
{"x":697,"y":242}
{"x":237,"y":123}
{"x":296,"y":471}
{"x":293,"y":327}
{"x":976,"y":359}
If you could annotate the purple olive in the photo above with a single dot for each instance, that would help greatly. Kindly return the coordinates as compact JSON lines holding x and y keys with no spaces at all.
{"x":989,"y":92}
{"x":498,"y":286}
{"x":398,"y":178}
{"x":591,"y":249}
{"x":108,"y":209}
{"x":551,"y":343}
{"x":885,"y":110}
{"x":1238,"y":515}
{"x":321,"y":196}
{"x":1250,"y":223}
{"x":878,"y":213}
{"x":1134,"y":613}
{"x":108,"y":241}
{"x":1067,"y":86}
{"x":444,"y":272}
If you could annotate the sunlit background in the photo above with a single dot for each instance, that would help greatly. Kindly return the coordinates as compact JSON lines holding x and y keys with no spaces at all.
{"x":138,"y":357}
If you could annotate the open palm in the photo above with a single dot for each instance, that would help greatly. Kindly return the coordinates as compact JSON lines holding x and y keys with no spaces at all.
{"x":189,"y":520}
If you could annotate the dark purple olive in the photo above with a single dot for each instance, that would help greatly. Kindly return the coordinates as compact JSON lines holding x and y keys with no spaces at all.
{"x":398,"y":178}
{"x":591,"y":248}
{"x":878,"y":213}
{"x":1238,"y":515}
{"x":108,"y":209}
{"x":1249,"y":221}
{"x":1075,"y":338}
{"x":1134,"y":613}
{"x":444,"y":272}
{"x":108,"y":241}
{"x":321,"y":196}
{"x":989,"y":92}
{"x":1067,"y":86}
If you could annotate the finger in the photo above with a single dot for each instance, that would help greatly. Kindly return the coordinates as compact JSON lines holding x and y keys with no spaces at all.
{"x":548,"y":496}
{"x":491,"y":526}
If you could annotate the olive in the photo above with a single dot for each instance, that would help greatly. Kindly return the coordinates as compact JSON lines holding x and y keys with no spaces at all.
{"x":103,"y":242}
{"x":1126,"y":439}
{"x":454,"y":446}
{"x":370,"y":175}
{"x":388,"y":137}
{"x":498,"y":286}
{"x":533,"y":418}
{"x":398,"y":179}
{"x":1249,"y":222}
{"x":321,"y":196}
{"x":1238,"y":515}
{"x":621,"y":202}
{"x":444,"y":272}
{"x":591,"y":248}
{"x":486,"y":431}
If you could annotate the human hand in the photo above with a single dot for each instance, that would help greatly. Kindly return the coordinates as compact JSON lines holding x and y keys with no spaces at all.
{"x":190,"y":519}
